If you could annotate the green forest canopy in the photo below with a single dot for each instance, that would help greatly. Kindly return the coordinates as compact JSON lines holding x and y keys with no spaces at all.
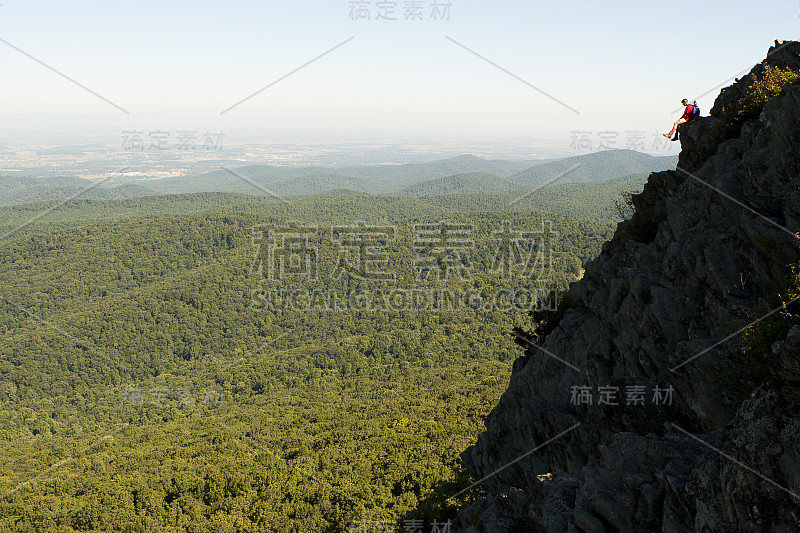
{"x":141,"y":390}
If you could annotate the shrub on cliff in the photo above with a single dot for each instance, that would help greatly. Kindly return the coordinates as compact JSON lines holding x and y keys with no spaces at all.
{"x":623,"y":205}
{"x":760,"y":90}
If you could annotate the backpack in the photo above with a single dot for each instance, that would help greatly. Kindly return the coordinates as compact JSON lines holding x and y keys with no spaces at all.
{"x":695,"y":110}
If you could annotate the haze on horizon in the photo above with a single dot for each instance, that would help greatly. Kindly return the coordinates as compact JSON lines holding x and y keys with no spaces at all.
{"x":472,"y":73}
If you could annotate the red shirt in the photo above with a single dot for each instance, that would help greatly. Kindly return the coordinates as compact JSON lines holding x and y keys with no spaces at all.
{"x":687,"y":113}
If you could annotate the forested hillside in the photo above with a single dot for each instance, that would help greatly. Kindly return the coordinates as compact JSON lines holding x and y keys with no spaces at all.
{"x":579,"y":200}
{"x":148,"y":384}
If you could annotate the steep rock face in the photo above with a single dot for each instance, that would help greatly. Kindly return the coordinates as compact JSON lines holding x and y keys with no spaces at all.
{"x":662,"y":307}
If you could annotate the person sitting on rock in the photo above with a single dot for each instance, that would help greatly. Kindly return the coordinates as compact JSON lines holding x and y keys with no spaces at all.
{"x":688,"y":114}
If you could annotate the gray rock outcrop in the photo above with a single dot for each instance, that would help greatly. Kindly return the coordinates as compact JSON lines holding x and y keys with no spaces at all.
{"x":714,"y":443}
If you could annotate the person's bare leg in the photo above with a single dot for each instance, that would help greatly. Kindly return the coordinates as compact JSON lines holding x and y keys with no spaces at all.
{"x":674,"y":127}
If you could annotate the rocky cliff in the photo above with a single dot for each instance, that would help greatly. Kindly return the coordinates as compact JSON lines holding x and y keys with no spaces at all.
{"x":667,"y":398}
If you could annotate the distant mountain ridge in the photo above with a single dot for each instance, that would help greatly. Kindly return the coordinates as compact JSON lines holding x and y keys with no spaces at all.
{"x":594,"y":167}
{"x":462,"y":174}
{"x":472,"y":182}
{"x":17,"y":190}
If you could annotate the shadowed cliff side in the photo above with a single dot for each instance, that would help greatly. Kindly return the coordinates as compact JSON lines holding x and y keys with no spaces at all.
{"x":665,"y":309}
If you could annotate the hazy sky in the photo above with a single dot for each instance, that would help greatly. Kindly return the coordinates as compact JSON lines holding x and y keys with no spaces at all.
{"x":622,"y":66}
